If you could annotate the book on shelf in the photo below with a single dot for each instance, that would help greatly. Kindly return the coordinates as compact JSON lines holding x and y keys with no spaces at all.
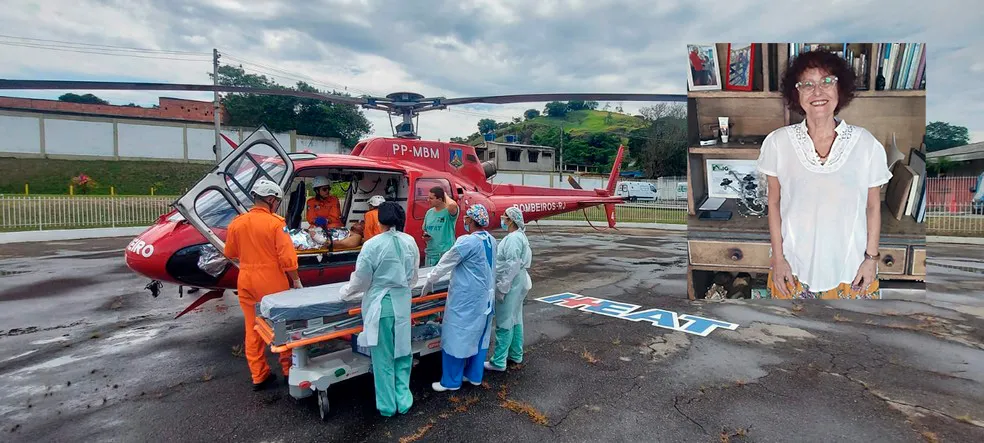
{"x":902,"y":65}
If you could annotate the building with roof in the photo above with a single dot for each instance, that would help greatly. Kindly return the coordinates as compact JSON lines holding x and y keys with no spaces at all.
{"x":168,"y":109}
{"x":518,"y":157}
{"x":968,"y":159}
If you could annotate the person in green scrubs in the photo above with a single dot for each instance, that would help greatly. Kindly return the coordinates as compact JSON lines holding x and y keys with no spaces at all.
{"x":439,"y":225}
{"x":384,"y":273}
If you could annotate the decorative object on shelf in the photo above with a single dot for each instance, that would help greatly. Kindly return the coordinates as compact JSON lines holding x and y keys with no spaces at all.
{"x":880,"y":80}
{"x":741,"y":60}
{"x":703,"y":74}
{"x":749,"y":140}
{"x":725,"y":129}
{"x":708,"y":142}
{"x":751,"y":203}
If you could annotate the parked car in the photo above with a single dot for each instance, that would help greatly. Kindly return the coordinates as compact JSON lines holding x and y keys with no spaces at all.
{"x":977,"y":201}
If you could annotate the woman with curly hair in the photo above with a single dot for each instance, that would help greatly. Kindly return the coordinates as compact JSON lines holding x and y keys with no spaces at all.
{"x":824,"y":180}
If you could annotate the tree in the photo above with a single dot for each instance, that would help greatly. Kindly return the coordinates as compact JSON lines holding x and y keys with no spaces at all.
{"x":661,"y":147}
{"x":942,"y":135}
{"x":530,"y":114}
{"x":486,"y":125}
{"x":592,"y":105}
{"x":86,"y":98}
{"x":458,"y":140}
{"x":307,"y":116}
{"x":575,"y":105}
{"x":556,"y":109}
{"x":517,"y":120}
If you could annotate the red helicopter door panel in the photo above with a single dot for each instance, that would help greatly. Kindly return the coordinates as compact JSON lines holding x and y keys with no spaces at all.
{"x":224,"y":192}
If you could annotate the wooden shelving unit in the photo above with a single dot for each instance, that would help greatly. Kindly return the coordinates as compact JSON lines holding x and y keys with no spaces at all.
{"x":741,"y":245}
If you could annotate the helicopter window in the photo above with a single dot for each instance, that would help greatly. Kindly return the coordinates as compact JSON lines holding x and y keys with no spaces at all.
{"x":471,"y":158}
{"x":421,"y":190}
{"x":262,"y":161}
{"x":214,"y":210}
{"x":512,"y":155}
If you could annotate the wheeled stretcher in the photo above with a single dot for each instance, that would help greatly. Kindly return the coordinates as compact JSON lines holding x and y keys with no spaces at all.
{"x":320,"y":330}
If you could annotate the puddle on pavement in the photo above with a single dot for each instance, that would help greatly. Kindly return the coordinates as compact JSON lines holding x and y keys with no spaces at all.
{"x":21,"y":355}
{"x":50,"y":364}
{"x":49,"y":341}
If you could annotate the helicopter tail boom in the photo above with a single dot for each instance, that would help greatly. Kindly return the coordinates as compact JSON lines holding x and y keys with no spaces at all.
{"x":616,"y":167}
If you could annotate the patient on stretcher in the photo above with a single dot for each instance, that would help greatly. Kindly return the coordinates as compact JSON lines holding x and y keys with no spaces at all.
{"x":315,"y":238}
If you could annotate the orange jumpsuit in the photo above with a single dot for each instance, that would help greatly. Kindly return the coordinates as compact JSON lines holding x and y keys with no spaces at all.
{"x":259,"y":240}
{"x":372,"y":227}
{"x":328,"y":208}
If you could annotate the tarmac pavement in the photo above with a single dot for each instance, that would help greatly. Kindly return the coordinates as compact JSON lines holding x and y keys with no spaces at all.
{"x":88,"y":354}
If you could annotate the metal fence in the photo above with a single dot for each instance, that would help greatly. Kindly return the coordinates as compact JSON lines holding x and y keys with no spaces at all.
{"x":18,"y":213}
{"x":660,"y":211}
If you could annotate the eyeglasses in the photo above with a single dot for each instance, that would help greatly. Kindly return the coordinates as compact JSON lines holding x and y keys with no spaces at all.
{"x":825,"y":83}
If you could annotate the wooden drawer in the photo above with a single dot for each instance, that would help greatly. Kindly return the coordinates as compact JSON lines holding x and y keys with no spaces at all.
{"x":893,"y":260}
{"x":918,"y":261}
{"x":737,"y":254}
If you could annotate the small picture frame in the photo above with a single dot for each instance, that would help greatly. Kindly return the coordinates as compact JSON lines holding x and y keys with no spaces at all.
{"x":741,"y":63}
{"x":703,"y":73}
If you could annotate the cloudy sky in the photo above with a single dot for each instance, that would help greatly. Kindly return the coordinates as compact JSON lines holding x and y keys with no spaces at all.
{"x":467,"y":47}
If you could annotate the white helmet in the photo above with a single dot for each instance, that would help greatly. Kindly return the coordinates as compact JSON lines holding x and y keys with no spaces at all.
{"x":267,"y":188}
{"x":320,"y":181}
{"x":377,"y":200}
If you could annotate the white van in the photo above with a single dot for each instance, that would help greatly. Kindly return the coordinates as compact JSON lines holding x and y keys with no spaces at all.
{"x":633,"y":191}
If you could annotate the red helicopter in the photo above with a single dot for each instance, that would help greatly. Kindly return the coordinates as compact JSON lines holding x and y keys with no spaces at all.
{"x":402,"y":168}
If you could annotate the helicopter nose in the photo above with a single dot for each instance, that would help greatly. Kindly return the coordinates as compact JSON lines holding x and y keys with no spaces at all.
{"x":147,"y":254}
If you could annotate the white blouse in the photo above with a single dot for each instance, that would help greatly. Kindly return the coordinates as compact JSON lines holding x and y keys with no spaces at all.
{"x":824,"y":206}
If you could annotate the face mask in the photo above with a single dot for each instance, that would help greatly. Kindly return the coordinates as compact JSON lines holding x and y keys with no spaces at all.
{"x":467,"y":228}
{"x":504,"y":223}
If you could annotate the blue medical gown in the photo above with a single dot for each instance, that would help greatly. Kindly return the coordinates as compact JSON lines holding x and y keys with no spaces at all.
{"x":471,"y":294}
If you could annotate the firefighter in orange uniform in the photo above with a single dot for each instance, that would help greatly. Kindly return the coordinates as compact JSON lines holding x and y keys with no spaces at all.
{"x":372,"y":226}
{"x":259,"y":242}
{"x":323,"y":210}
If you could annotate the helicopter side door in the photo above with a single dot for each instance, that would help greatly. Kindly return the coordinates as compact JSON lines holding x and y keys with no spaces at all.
{"x":224,"y":192}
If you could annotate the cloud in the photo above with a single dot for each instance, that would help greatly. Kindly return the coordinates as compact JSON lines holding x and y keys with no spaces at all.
{"x":475,"y":47}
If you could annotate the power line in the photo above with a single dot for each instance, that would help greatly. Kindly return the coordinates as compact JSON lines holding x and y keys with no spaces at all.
{"x":93,"y":45}
{"x":98,"y":52}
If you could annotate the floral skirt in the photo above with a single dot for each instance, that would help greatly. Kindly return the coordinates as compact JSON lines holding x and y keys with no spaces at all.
{"x":800,"y":290}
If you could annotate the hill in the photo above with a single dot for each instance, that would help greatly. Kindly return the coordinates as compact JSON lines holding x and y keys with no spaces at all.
{"x":575,"y":123}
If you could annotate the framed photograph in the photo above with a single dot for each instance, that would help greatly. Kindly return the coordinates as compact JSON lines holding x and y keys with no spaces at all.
{"x":703,"y":73}
{"x":741,"y":61}
{"x":726,"y":177}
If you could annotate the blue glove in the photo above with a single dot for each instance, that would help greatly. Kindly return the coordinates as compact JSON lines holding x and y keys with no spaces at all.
{"x":321,"y":221}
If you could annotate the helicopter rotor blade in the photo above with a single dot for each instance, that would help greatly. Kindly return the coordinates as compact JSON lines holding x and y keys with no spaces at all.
{"x":139,"y":86}
{"x":529,"y":98}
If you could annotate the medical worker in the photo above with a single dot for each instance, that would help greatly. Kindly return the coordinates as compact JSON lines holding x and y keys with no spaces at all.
{"x":467,"y":327}
{"x":371,"y":226}
{"x":439,"y":225}
{"x":385,"y":272}
{"x":512,"y":283}
{"x":323,"y":210}
{"x":258,"y":240}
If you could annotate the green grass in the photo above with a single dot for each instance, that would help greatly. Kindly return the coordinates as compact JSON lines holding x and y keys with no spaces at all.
{"x":628,"y":215}
{"x":46,"y":176}
{"x":588,"y":121}
{"x":575,"y":122}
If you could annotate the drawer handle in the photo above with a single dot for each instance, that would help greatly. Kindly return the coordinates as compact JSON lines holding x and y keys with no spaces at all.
{"x":735,"y":254}
{"x":888,"y":260}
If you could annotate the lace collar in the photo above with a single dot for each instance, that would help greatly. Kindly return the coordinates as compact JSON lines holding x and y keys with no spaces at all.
{"x":847,"y":138}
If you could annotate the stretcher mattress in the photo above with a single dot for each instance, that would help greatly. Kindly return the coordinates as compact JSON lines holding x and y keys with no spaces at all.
{"x":325,"y":300}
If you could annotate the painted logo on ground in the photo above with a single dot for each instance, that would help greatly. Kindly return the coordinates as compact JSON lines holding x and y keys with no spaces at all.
{"x":657,"y":317}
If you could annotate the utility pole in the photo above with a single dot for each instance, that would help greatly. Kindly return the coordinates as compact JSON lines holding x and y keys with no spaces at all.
{"x":216,"y":108}
{"x":561,"y":153}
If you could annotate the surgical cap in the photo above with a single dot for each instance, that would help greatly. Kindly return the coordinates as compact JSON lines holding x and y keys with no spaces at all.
{"x":516,"y":216}
{"x":478,"y":213}
{"x":391,"y":214}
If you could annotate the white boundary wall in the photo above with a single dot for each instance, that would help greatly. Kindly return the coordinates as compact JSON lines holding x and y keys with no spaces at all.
{"x":32,"y":134}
